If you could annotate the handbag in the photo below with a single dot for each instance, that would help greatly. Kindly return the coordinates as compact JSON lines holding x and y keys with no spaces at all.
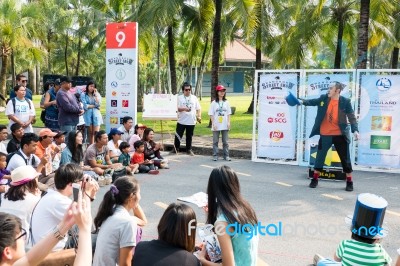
{"x":64,"y":257}
{"x":118,"y":173}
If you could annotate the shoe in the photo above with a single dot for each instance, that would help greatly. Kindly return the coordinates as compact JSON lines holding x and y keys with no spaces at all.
{"x":190,"y":152}
{"x":101,"y":181}
{"x":349,"y":186}
{"x":153,"y":172}
{"x":137,"y":171}
{"x":173,"y":152}
{"x":215,"y":158}
{"x":108,"y":179}
{"x":108,"y":171}
{"x":314,"y":183}
{"x":317,"y":258}
{"x":228,"y":159}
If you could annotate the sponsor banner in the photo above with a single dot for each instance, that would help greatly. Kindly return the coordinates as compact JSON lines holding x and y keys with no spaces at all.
{"x":379,"y":121}
{"x":276,"y":119}
{"x":121,"y":72}
{"x":316,"y":85}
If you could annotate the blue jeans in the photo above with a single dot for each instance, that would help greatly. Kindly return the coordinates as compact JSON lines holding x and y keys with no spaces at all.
{"x":67,"y":129}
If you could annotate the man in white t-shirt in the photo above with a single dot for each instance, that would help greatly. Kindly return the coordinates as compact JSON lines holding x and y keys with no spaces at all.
{"x":189,"y":111}
{"x":21,"y":110}
{"x":3,"y":137}
{"x":127,"y":128}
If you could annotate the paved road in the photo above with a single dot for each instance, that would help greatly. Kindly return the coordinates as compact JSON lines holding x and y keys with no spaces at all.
{"x":312,"y":219}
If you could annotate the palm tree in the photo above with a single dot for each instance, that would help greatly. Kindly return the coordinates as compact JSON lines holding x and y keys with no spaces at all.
{"x":362,"y":44}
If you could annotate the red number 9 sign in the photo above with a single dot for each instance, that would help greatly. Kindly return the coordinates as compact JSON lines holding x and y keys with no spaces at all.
{"x":121,"y":35}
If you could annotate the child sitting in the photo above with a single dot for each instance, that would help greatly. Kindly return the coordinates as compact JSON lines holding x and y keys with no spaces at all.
{"x":366,"y":227}
{"x":5,"y":175}
{"x":125,"y":159}
{"x":145,"y":166}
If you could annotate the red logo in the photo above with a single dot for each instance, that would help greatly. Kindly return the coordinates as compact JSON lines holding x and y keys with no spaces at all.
{"x":276,"y":135}
{"x":125,"y":103}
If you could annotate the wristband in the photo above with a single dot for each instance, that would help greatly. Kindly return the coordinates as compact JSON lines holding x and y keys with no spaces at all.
{"x":91,"y":199}
{"x":57,"y":234}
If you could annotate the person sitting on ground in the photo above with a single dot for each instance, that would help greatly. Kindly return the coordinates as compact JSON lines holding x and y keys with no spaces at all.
{"x":145,"y":165}
{"x":15,"y":143}
{"x":116,"y":228}
{"x":97,"y":157}
{"x":5,"y":175}
{"x":50,"y":209}
{"x":44,"y":147}
{"x":175,"y":244}
{"x":126,"y":128}
{"x":114,"y":140}
{"x":13,"y":237}
{"x":3,"y":137}
{"x":152,"y":149}
{"x":26,"y":156}
{"x":23,"y":194}
{"x":125,"y":159}
{"x":59,"y":141}
{"x":226,"y":205}
{"x":139,"y":130}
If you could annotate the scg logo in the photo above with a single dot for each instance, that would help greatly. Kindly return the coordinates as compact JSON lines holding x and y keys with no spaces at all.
{"x":280,"y":118}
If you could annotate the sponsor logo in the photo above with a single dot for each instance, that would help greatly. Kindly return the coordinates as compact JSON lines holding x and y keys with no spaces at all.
{"x":120,"y":60}
{"x":277,"y":84}
{"x":114,"y":93}
{"x":382,"y":102}
{"x":383,"y":84}
{"x":114,"y":84}
{"x":113,"y":120}
{"x":381,"y":123}
{"x":120,"y":74}
{"x":380,"y":142}
{"x":120,"y":120}
{"x":125,"y":103}
{"x":113,"y":112}
{"x":125,"y":94}
{"x":276,"y":135}
{"x":114,"y":103}
{"x":124,"y":112}
{"x":280,"y":118}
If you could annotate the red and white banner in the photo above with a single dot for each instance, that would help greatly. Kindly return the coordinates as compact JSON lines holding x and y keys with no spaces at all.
{"x":121,"y":72}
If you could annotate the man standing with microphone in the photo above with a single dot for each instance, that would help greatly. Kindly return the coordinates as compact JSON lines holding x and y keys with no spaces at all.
{"x":189,"y":111}
{"x":332,"y":124}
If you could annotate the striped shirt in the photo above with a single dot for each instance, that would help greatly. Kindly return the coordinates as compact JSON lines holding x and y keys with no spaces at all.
{"x":353,"y":253}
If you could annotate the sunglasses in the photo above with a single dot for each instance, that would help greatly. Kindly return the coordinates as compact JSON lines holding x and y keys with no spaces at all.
{"x":24,"y":80}
{"x":187,"y":89}
{"x":23,"y":234}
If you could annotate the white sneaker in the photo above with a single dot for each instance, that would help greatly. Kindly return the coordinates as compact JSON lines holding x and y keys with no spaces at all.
{"x":108,"y":179}
{"x":102,"y":181}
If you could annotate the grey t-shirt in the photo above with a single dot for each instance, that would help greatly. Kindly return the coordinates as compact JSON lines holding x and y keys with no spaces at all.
{"x":93,"y":154}
{"x":118,"y":231}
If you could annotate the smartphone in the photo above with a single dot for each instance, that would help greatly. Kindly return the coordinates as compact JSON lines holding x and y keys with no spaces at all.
{"x":75,"y":190}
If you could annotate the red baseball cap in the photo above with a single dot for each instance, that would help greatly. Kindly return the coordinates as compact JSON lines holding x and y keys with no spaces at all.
{"x":220,"y":88}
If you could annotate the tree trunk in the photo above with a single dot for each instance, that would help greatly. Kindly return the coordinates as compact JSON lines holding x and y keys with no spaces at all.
{"x":216,"y":43}
{"x":171,"y":55}
{"x":13,"y":74}
{"x":199,"y":82}
{"x":38,"y":77}
{"x":338,"y":54}
{"x":32,"y":80}
{"x":78,"y":56}
{"x":158,"y":65}
{"x":395,"y":58}
{"x":49,"y":51}
{"x":66,"y":55}
{"x":3,"y":76}
{"x":362,"y":46}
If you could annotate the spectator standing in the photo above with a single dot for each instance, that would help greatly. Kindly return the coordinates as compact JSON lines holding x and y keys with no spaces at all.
{"x":91,"y":100}
{"x":3,"y":137}
{"x":22,"y":80}
{"x":17,"y":132}
{"x":21,"y":110}
{"x":68,"y":107}
{"x":189,"y":111}
{"x":127,"y":128}
{"x":220,"y":115}
{"x":50,"y":103}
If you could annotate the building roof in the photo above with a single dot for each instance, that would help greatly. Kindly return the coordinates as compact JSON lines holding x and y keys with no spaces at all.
{"x":238,"y":51}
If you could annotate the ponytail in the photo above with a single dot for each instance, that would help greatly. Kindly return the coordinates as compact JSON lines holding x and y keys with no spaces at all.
{"x":119,"y":192}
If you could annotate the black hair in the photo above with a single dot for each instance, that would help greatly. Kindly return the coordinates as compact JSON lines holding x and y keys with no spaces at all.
{"x":123,"y":145}
{"x":99,"y":134}
{"x":224,"y":195}
{"x":138,"y":143}
{"x":173,"y":226}
{"x":10,"y":225}
{"x":66,"y":174}
{"x":2,"y":154}
{"x":87,"y":87}
{"x":363,"y":239}
{"x":19,"y":76}
{"x":146,"y":133}
{"x":16,"y":193}
{"x":46,"y":86}
{"x":125,"y":185}
{"x":16,"y":87}
{"x":76,"y":150}
{"x":14,"y":127}
{"x":2,"y":127}
{"x":27,"y":138}
{"x":186,"y":84}
{"x":126,"y":119}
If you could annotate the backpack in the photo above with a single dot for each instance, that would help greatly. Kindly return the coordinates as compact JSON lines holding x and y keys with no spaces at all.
{"x":10,"y":155}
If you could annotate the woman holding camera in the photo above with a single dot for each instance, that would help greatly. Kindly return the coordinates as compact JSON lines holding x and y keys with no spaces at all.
{"x":91,"y":100}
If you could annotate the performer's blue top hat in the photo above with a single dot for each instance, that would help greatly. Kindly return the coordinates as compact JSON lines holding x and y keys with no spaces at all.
{"x":292,"y":100}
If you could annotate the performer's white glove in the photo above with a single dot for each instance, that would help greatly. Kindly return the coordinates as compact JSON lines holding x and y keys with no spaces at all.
{"x":356,"y":135}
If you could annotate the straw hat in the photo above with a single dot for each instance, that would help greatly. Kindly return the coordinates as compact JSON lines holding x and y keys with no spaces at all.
{"x":22,"y":175}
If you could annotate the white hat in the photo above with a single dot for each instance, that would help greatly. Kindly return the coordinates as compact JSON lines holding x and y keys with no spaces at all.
{"x":23,"y":175}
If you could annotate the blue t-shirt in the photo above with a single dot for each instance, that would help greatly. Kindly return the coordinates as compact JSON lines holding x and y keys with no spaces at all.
{"x":245,"y":251}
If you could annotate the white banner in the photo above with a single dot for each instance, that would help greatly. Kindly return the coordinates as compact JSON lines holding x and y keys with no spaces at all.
{"x":121,"y":72}
{"x":379,"y":120}
{"x":277,"y":120}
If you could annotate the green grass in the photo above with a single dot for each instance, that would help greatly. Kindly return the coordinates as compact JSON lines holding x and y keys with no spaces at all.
{"x":241,"y":124}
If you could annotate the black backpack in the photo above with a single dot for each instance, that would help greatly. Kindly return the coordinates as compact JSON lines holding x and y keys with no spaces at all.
{"x":10,"y":155}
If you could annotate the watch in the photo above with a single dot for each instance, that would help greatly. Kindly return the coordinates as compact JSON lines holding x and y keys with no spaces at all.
{"x":57,"y":234}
